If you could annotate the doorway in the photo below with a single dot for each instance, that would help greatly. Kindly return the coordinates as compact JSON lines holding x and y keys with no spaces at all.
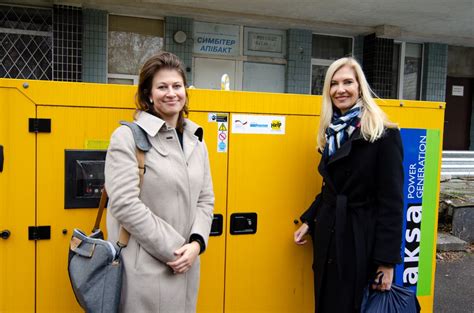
{"x":457,"y":118}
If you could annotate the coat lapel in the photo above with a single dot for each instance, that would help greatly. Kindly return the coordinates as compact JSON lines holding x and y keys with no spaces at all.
{"x":342,"y":152}
{"x":189,"y":144}
{"x":346,"y":148}
{"x":152,"y":125}
{"x":322,"y":168}
{"x":191,"y":135}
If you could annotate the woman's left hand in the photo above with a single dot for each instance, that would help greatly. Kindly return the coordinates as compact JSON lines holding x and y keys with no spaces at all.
{"x":387,"y":278}
{"x":187,"y":254}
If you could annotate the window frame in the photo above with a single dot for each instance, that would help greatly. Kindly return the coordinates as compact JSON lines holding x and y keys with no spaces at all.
{"x":324,"y":62}
{"x":401,"y":69}
{"x":134,"y":78}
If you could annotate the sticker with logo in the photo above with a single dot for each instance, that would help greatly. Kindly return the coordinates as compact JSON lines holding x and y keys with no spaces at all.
{"x":258,"y":124}
{"x":276,"y":125}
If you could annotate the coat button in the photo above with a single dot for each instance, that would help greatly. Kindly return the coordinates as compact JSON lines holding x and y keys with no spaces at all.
{"x":332,"y":230}
{"x":330,"y":261}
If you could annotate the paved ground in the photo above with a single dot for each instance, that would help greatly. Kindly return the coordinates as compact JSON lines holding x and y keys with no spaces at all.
{"x":454,"y":282}
{"x":458,"y":189}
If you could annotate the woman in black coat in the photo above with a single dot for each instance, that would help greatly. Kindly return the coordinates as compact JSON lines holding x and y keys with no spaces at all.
{"x":356,"y":220}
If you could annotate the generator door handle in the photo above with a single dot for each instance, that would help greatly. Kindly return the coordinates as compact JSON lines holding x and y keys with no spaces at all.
{"x":243,"y":223}
{"x":1,"y":158}
{"x":216,"y":226}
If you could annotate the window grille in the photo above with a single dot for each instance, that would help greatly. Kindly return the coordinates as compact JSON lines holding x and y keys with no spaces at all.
{"x":25,"y":43}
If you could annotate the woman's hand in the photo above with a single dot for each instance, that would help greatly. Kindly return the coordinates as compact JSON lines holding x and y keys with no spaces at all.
{"x":187,"y":254}
{"x":300,"y":233}
{"x":387,"y":278}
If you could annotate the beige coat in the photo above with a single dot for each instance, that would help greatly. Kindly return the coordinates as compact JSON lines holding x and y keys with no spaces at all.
{"x":175,"y":201}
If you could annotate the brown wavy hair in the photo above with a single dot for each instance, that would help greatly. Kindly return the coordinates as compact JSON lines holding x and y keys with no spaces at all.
{"x":162,"y":60}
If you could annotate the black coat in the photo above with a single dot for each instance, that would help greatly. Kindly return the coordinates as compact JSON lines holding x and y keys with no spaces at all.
{"x":356,"y":220}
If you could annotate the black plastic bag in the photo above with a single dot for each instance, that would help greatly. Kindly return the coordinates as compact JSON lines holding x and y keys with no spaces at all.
{"x":396,"y":300}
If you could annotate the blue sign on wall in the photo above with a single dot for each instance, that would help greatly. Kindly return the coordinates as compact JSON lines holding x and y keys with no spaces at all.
{"x":216,"y":39}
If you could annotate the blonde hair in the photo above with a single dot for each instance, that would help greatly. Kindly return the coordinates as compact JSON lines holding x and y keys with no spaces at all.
{"x":373,"y":120}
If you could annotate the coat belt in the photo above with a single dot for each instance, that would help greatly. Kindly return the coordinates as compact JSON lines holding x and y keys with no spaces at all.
{"x":339,"y":201}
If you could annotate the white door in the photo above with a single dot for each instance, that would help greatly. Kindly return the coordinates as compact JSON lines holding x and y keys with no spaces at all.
{"x":208,"y":73}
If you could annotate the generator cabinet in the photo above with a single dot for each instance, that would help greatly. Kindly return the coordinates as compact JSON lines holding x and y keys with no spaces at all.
{"x":262,"y":149}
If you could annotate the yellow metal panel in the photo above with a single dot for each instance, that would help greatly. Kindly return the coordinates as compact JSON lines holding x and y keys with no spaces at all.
{"x":211,"y":290}
{"x":416,"y":117}
{"x":17,"y":203}
{"x":74,"y":94}
{"x":71,"y":127}
{"x":119,"y":96}
{"x":274,"y":176}
{"x":426,"y":303}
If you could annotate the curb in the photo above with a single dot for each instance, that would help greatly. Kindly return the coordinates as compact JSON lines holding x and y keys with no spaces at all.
{"x":447,"y":242}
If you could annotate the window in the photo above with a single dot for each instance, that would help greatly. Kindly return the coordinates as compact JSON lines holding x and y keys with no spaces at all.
{"x":318,"y":72}
{"x":406,"y":69}
{"x":26,"y":41}
{"x":325,"y":50}
{"x":331,"y":47}
{"x":131,"y":41}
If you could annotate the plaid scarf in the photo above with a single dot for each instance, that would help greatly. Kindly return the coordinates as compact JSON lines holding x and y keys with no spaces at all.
{"x":341,"y":128}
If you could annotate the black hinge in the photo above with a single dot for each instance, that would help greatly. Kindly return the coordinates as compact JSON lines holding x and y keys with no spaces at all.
{"x":39,"y":125}
{"x":39,"y":232}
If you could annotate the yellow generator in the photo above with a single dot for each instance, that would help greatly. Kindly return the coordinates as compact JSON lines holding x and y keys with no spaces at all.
{"x":53,"y":140}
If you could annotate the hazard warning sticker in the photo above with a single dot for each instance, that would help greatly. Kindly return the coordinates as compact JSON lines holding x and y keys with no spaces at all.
{"x":222,"y":131}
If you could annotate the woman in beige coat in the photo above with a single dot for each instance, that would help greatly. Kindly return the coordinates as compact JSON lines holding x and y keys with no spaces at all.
{"x":169,"y":217}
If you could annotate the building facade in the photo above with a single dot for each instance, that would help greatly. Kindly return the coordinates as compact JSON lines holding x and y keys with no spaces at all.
{"x":107,"y":44}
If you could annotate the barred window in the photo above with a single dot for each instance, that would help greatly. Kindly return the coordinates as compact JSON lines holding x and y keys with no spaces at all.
{"x":26,"y":43}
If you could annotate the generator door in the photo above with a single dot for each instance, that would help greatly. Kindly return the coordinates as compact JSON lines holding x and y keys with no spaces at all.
{"x":17,"y":202}
{"x":272,"y":180}
{"x":69,"y":180}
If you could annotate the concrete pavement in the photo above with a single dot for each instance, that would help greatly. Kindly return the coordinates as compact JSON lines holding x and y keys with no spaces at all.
{"x":454,"y":282}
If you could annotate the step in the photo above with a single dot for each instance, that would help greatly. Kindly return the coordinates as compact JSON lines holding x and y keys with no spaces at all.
{"x":448,"y":242}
